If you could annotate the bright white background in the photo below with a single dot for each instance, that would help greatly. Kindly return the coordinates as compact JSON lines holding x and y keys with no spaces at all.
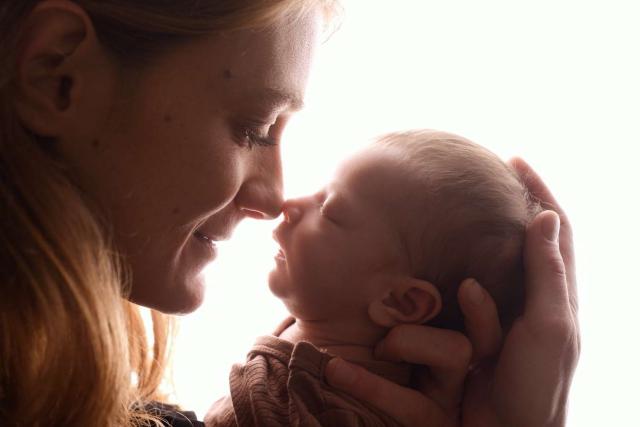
{"x":556,"y":82}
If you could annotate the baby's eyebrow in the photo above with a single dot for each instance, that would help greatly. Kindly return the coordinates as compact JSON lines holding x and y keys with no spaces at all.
{"x":338,"y":203}
{"x":320,"y":196}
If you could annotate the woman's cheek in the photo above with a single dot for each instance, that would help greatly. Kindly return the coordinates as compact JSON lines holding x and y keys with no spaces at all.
{"x":223,"y":179}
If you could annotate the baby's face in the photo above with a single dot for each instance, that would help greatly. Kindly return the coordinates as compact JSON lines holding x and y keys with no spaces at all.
{"x":337,"y":244}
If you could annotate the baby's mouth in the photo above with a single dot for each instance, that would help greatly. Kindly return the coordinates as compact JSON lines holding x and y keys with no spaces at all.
{"x":280,"y":257}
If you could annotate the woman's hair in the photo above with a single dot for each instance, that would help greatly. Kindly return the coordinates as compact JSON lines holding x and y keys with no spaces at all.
{"x":73,"y":350}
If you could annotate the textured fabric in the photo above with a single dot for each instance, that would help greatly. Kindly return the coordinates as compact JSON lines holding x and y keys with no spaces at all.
{"x":282,"y":384}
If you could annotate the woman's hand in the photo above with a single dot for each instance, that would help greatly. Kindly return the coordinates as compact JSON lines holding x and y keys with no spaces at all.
{"x":437,"y":401}
{"x":528,"y":383}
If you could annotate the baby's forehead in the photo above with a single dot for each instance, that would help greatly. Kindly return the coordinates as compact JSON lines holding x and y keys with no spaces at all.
{"x":377,"y":174}
{"x":382,"y":182}
{"x":412,"y":173}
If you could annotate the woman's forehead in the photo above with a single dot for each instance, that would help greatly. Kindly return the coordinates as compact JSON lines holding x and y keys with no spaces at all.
{"x":271,"y":65}
{"x":265,"y":70}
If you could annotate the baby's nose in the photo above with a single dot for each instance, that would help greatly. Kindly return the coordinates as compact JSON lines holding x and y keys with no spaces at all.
{"x":292,"y":211}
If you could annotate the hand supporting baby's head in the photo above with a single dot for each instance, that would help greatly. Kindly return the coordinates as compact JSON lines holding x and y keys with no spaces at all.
{"x":402,"y":224}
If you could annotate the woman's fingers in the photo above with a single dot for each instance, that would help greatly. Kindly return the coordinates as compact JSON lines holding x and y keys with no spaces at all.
{"x":447,"y":355}
{"x":540,"y":351}
{"x":541,"y":192}
{"x":535,"y":185}
{"x":407,"y":406}
{"x":481,"y":319}
{"x":546,"y":285}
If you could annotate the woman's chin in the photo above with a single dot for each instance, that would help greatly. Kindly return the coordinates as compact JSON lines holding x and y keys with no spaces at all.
{"x":188,"y":299}
{"x":184,"y":298}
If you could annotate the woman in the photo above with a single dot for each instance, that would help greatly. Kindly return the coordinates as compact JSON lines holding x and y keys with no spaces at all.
{"x":136,"y":134}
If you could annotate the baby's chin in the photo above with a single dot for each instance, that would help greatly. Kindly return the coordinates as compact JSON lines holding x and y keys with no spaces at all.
{"x":283,"y":288}
{"x":277,"y":284}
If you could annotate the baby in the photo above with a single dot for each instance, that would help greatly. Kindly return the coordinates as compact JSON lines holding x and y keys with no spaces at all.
{"x":387,"y":242}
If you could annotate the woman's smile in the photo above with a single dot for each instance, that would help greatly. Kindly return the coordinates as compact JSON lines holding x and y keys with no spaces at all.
{"x":208,"y":242}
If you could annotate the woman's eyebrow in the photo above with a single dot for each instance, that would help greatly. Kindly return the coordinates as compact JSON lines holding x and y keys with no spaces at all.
{"x":279,"y":98}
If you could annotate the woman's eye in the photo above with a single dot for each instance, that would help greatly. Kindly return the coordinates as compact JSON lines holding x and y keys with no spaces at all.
{"x":253,"y":138}
{"x":256,"y":134}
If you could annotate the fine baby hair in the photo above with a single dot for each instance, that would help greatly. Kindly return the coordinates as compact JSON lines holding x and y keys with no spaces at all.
{"x":468,"y":222}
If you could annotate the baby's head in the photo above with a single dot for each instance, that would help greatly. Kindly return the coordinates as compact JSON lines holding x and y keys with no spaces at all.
{"x":401,"y":225}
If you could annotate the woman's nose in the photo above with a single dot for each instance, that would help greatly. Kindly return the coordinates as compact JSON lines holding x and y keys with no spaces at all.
{"x":260,"y":201}
{"x":260,"y":196}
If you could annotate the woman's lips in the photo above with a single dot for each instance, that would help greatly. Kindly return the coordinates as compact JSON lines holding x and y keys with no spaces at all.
{"x":206,"y":240}
{"x":200,"y":235}
{"x":203,"y":234}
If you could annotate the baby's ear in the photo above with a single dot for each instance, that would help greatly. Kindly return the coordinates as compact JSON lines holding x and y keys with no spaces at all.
{"x":409,"y":301}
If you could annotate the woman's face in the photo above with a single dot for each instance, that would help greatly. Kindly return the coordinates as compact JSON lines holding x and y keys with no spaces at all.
{"x":190,"y":150}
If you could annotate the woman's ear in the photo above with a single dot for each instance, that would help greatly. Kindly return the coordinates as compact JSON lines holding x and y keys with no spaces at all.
{"x":409,"y":301}
{"x":50,"y":56}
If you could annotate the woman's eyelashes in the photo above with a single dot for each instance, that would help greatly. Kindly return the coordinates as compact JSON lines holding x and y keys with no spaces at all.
{"x":254,"y":138}
{"x":251,"y":133}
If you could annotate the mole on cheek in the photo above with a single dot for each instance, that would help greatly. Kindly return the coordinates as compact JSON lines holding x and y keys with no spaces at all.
{"x":95,"y":143}
{"x":175,"y":211}
{"x":167,"y":118}
{"x":227,"y":74}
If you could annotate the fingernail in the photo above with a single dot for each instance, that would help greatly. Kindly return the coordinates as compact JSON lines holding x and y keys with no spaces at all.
{"x":551,"y":226}
{"x":474,"y":291}
{"x":339,"y":373}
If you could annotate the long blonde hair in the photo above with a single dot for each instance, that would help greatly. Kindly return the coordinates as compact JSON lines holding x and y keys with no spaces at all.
{"x":73,"y":350}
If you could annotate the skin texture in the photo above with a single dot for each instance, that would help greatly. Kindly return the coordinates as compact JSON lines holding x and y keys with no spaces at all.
{"x":521,"y":379}
{"x":164,"y":153}
{"x":343,"y":271}
{"x":169,"y":149}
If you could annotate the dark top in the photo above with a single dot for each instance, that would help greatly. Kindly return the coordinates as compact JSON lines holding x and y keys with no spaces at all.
{"x":174,"y":417}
